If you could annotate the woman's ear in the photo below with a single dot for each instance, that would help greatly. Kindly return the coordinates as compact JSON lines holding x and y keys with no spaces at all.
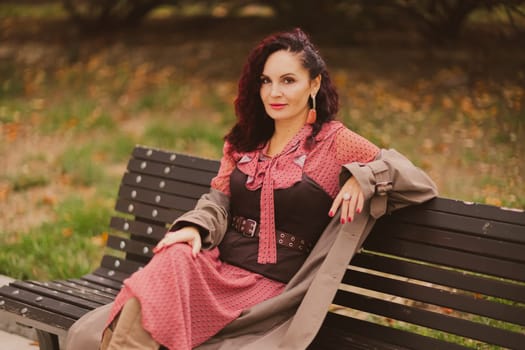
{"x":315,"y":85}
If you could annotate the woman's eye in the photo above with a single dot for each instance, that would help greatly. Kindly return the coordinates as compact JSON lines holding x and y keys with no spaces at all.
{"x":264,"y":80}
{"x":288,"y":80}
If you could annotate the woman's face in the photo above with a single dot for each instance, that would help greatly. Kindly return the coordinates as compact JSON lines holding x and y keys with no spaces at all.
{"x":286,"y":86}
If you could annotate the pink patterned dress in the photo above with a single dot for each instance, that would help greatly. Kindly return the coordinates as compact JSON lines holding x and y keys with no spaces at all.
{"x":186,"y":300}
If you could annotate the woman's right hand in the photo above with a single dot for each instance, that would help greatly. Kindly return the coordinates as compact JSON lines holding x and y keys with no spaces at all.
{"x":188,"y":234}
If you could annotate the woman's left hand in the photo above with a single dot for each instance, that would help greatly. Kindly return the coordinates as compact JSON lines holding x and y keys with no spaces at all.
{"x":351,"y":200}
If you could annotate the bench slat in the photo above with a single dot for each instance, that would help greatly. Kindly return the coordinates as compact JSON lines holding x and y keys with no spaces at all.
{"x":162,"y":200}
{"x":453,"y":222}
{"x":469,"y":209}
{"x":130,"y":246}
{"x":119,"y":266}
{"x":354,"y":331}
{"x":111,"y":274}
{"x":444,"y":277}
{"x":67,"y":286}
{"x":102,"y":290}
{"x":164,"y":185}
{"x":171,"y":172}
{"x":101,"y":279}
{"x":38,"y":301}
{"x":430,"y":319}
{"x":480,"y":245}
{"x":34,"y":316}
{"x":65,"y":295}
{"x":148,"y":153}
{"x":447,"y":257}
{"x":145,"y":230}
{"x":434,"y":296}
{"x":159,"y":215}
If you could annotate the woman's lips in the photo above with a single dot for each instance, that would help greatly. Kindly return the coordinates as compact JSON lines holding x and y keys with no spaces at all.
{"x":277,"y":106}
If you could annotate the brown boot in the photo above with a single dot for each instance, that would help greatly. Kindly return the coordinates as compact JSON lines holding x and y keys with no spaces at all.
{"x":126,"y":331}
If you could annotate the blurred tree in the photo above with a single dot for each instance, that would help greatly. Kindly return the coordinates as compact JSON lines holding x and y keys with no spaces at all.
{"x":96,"y":14}
{"x":439,"y":21}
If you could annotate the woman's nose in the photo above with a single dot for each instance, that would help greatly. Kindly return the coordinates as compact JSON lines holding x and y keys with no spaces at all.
{"x":275,"y":90}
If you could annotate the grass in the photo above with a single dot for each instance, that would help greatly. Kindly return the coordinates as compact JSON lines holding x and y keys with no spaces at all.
{"x":69,"y":245}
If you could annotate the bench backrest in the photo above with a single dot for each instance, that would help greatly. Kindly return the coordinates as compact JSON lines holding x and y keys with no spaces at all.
{"x":449,"y":270}
{"x":428,"y":274}
{"x":157,"y":187}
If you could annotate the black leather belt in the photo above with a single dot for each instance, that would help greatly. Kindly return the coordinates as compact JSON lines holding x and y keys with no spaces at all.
{"x":250,"y":228}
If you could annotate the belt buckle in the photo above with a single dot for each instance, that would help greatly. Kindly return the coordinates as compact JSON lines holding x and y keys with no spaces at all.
{"x":249,"y":231}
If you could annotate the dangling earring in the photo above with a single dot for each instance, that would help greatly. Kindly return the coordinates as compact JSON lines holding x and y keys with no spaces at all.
{"x":312,"y":113}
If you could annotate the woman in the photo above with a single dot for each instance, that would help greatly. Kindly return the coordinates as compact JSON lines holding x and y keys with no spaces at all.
{"x":238,"y":265}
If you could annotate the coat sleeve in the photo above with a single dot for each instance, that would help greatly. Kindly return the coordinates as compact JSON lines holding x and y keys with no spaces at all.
{"x":210,"y":216}
{"x":390,"y":182}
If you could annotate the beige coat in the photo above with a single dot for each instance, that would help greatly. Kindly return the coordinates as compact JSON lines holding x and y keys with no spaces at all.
{"x":292,"y":319}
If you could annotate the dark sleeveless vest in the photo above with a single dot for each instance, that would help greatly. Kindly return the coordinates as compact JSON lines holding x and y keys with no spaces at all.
{"x":301,"y":210}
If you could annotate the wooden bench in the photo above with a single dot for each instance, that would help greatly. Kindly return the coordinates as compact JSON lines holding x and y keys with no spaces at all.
{"x":429,"y":276}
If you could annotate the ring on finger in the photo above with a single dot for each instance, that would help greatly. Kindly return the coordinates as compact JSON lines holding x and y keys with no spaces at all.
{"x":346,"y":196}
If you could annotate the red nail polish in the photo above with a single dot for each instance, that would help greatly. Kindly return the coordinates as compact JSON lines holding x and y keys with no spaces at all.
{"x":331,"y":214}
{"x":349,"y":219}
{"x":358,"y":210}
{"x":342,"y":221}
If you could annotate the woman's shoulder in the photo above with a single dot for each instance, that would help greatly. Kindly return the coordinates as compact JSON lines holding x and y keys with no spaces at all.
{"x":329,"y":129}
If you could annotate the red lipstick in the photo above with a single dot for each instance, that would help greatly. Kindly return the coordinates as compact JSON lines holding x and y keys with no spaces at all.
{"x":277,"y":106}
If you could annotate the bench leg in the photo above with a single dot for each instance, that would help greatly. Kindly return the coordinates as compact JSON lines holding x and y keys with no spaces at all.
{"x":47,"y":341}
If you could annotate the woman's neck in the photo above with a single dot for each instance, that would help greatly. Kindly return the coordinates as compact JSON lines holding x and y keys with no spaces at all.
{"x":285,"y":130}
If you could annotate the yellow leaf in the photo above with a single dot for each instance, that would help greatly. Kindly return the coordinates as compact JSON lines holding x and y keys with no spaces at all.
{"x":100,"y":240}
{"x":67,"y":232}
{"x":493,"y":201}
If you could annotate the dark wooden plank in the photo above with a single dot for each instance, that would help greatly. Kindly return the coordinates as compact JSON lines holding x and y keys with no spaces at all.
{"x":172,"y":172}
{"x":101,"y":279}
{"x":66,"y":296}
{"x":480,"y":245}
{"x":432,"y":320}
{"x":446,"y":257}
{"x":459,"y":223}
{"x":111,"y":274}
{"x":130,"y":246}
{"x":159,"y":215}
{"x":349,"y":331}
{"x":34,"y":316}
{"x":157,"y":199}
{"x":149,"y":153}
{"x":78,"y":290}
{"x":119,"y":266}
{"x":483,"y":211}
{"x":445,"y":277}
{"x":150,"y":231}
{"x":161,"y":184}
{"x":434,"y":296}
{"x":46,"y":303}
{"x":110,"y":292}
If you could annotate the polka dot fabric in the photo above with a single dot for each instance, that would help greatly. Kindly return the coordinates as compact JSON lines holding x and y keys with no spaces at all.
{"x":187,"y":300}
{"x":335,"y":146}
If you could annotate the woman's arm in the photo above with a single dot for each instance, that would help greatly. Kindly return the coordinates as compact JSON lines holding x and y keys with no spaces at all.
{"x":390,"y":182}
{"x":206,"y":224}
{"x":384,"y":177}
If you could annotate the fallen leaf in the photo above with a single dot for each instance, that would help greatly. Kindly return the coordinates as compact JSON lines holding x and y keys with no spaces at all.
{"x":100,"y":240}
{"x":4,"y":192}
{"x":67,"y":232}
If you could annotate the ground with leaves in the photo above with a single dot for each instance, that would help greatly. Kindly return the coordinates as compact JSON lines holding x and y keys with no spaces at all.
{"x":72,"y":107}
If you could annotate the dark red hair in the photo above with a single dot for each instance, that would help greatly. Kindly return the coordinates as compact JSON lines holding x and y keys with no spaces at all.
{"x":254,"y":127}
